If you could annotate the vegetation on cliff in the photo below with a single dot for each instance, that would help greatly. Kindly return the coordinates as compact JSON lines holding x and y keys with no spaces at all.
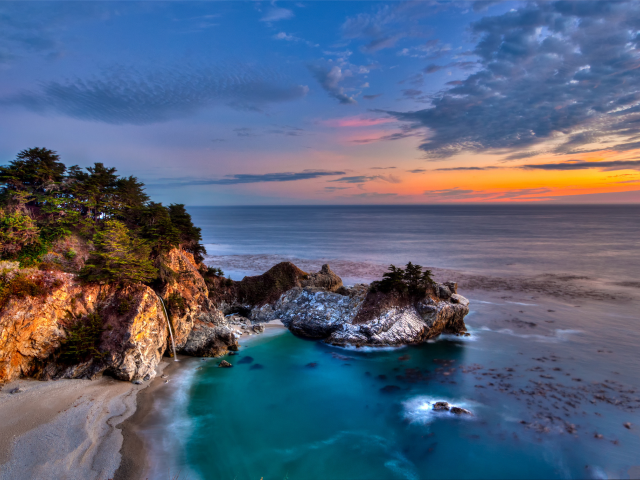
{"x":124,"y":235}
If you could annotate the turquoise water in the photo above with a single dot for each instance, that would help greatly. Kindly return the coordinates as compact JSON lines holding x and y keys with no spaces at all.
{"x":299,"y":409}
{"x":551,"y":382}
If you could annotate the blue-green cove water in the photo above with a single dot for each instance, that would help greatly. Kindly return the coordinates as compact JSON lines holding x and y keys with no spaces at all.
{"x":550,"y":383}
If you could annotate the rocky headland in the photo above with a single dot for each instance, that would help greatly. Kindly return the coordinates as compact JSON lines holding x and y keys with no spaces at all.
{"x":73,"y":329}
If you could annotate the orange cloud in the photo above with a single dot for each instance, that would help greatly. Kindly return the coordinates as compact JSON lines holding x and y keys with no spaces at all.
{"x":356,"y":122}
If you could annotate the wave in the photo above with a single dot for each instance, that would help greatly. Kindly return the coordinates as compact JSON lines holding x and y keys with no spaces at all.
{"x":560,"y":335}
{"x":420,"y":409}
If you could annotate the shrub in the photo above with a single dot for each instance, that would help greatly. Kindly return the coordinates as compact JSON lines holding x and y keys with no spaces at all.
{"x":412,"y":281}
{"x":119,"y":257}
{"x":176,"y":303}
{"x":21,"y":286}
{"x":83,"y":338}
{"x":70,"y":254}
{"x":17,"y":230}
{"x":125,"y":304}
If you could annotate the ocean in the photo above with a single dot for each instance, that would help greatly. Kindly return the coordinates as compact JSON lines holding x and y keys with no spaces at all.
{"x":551,"y":370}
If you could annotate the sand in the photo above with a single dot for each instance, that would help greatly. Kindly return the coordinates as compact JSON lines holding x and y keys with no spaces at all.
{"x":65,"y":429}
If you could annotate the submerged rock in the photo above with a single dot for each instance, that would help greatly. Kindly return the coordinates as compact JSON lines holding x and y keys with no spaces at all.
{"x":460,"y":411}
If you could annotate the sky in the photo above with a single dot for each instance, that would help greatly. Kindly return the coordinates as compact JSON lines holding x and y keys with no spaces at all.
{"x":332,"y":102}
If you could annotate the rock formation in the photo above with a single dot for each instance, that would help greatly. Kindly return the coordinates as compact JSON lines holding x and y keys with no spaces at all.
{"x":77,"y":330}
{"x":361,"y":317}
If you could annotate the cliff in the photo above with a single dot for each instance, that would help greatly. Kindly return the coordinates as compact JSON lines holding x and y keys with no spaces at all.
{"x":54,"y":326}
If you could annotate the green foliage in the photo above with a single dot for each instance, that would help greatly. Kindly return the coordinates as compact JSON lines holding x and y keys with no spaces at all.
{"x":215,"y":271}
{"x":83,"y":339}
{"x":176,"y":304}
{"x":17,"y":230}
{"x":412,"y":280}
{"x":125,"y":304}
{"x":119,"y":257}
{"x":21,"y":286}
{"x":70,"y":254}
{"x":41,"y":201}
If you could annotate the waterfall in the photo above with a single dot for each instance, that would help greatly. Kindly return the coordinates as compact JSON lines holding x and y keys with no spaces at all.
{"x":166,"y":316}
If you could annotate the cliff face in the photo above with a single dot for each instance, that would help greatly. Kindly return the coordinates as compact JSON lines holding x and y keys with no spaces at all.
{"x":123,"y":331}
{"x":185,"y":296}
{"x":75,"y":330}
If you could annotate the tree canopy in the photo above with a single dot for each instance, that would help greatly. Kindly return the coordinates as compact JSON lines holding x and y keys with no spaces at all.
{"x":42,"y":200}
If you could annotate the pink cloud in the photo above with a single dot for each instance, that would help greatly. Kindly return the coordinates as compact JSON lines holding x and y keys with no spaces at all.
{"x":356,"y":122}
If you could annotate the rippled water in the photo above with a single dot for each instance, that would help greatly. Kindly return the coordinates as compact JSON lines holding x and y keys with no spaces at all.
{"x":550,"y":381}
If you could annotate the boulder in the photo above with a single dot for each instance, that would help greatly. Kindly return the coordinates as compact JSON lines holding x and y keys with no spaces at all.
{"x":258,"y":328}
{"x":441,"y":406}
{"x":129,"y":339}
{"x":224,"y":364}
{"x":460,"y":411}
{"x":207,"y":340}
{"x":325,"y":279}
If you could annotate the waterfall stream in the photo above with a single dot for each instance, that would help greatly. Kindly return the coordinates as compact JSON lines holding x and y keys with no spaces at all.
{"x":166,"y":316}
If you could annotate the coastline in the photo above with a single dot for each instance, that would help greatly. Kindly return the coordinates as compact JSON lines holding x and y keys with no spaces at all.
{"x":96,"y":428}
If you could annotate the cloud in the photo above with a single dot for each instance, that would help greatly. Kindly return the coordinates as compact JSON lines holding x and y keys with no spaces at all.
{"x":546,"y":71}
{"x":255,"y":178}
{"x":382,"y":168}
{"x":335,"y":189}
{"x":521,"y":155}
{"x":329,"y":79}
{"x":456,"y":193}
{"x":371,"y":195}
{"x":365,"y":178}
{"x":357,"y":122}
{"x":609,"y":165}
{"x":417,"y":170}
{"x":431,"y":50}
{"x":387,"y":25}
{"x":275,"y":14}
{"x":453,"y":169}
{"x":404,"y":133}
{"x":371,"y":97}
{"x":285,"y":36}
{"x":127,"y":96}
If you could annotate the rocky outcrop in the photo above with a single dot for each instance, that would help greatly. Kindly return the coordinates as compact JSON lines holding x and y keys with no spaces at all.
{"x":185,"y":294}
{"x":208,"y":340}
{"x":325,"y":278}
{"x":360,"y":317}
{"x":125,"y":327}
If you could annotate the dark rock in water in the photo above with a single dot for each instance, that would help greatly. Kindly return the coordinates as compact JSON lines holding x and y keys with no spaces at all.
{"x":258,"y":328}
{"x":246,"y":360}
{"x":627,"y":425}
{"x":460,"y":411}
{"x":442,"y":406}
{"x":15,"y":390}
{"x":137,"y":381}
{"x":311,"y":365}
{"x":225,"y":364}
{"x":233,"y":348}
{"x":232,"y":353}
{"x":404,"y":358}
{"x":207,"y":340}
{"x":390,"y":389}
{"x":381,"y":377}
{"x":256,"y":366}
